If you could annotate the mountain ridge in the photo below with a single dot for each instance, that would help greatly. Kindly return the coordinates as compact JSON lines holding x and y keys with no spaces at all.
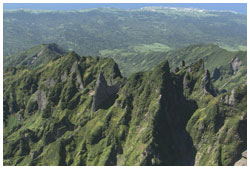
{"x":215,"y":58}
{"x":49,"y":117}
{"x":228,"y":69}
{"x":34,"y":56}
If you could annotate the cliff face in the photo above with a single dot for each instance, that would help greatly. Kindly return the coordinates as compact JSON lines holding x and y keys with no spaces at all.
{"x":103,"y":92}
{"x":81,"y":111}
{"x":231,"y":74}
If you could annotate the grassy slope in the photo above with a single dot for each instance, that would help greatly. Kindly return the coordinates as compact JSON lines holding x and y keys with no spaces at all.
{"x":145,"y":125}
{"x":34,"y":56}
{"x":137,"y":57}
{"x":145,"y":57}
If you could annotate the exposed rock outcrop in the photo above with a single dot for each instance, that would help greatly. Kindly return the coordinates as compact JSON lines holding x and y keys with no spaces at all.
{"x":231,"y":100}
{"x":152,"y":118}
{"x":235,"y":64}
{"x":64,"y":76}
{"x":216,"y":74}
{"x":40,"y":97}
{"x":243,"y":160}
{"x":235,"y":97}
{"x":206,"y":84}
{"x":103,"y":92}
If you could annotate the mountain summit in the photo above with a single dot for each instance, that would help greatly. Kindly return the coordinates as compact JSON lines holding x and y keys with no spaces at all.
{"x":35,"y":56}
{"x":77,"y":110}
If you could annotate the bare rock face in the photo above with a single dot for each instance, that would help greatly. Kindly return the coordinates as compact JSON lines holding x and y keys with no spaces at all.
{"x":216,"y":74}
{"x":207,"y":86}
{"x":243,"y":160}
{"x":103,"y":92}
{"x":64,"y":76}
{"x":206,"y":82}
{"x":230,"y":99}
{"x":40,"y":97}
{"x":235,"y":64}
{"x":74,"y":67}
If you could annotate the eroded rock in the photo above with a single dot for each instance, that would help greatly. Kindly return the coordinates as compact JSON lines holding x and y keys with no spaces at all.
{"x":206,"y":84}
{"x":236,"y":63}
{"x":243,"y":160}
{"x":40,"y":97}
{"x":216,"y":74}
{"x":103,"y":92}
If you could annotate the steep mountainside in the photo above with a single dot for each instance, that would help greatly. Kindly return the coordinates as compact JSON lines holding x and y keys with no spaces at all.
{"x":228,"y":69}
{"x":89,"y":31}
{"x":34,"y":56}
{"x":217,"y":60}
{"x":231,"y":67}
{"x":81,"y":111}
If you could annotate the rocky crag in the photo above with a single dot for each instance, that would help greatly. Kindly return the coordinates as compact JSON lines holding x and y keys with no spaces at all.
{"x":80,"y":111}
{"x":103,"y":92}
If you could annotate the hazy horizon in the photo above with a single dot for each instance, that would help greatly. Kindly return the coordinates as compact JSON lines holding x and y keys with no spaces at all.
{"x":236,"y":7}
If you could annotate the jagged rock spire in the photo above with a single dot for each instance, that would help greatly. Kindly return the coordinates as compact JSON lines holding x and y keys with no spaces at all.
{"x":216,"y":74}
{"x":235,"y":64}
{"x":206,"y":84}
{"x":101,"y":79}
{"x":102,"y":92}
{"x":207,"y":76}
{"x":206,"y":80}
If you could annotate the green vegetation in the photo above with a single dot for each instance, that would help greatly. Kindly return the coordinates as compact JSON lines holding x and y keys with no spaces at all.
{"x":35,"y":56}
{"x":137,"y":40}
{"x":177,"y":104}
{"x":214,"y":57}
{"x":157,"y":117}
{"x":88,"y":32}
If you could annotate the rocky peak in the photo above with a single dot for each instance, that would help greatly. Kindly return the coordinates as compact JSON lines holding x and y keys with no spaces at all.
{"x":101,"y":79}
{"x":54,"y":47}
{"x":206,"y":84}
{"x":216,"y":74}
{"x":103,"y":92}
{"x":231,"y":100}
{"x":163,"y":67}
{"x":167,"y":121}
{"x":235,"y":64}
{"x":73,"y":54}
{"x":207,"y":76}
